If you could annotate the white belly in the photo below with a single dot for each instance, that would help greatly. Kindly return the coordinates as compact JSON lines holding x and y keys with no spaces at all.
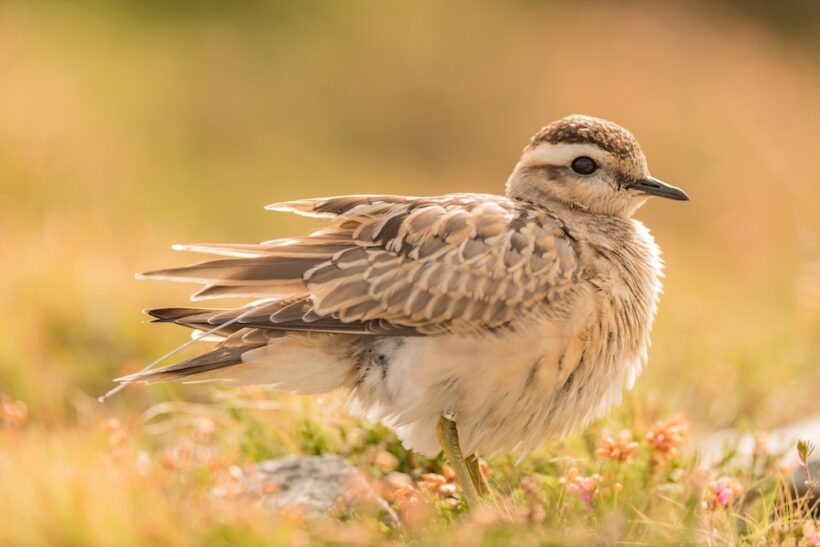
{"x":507,"y":391}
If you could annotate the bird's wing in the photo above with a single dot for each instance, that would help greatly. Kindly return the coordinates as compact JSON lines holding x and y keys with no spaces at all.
{"x":461,"y":263}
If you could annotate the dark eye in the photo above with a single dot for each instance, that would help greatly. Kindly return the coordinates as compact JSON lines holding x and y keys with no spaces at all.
{"x":584,"y":165}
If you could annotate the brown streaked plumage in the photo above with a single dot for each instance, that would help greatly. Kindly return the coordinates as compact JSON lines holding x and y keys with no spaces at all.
{"x":516,"y":317}
{"x":587,"y":130}
{"x":454,"y":264}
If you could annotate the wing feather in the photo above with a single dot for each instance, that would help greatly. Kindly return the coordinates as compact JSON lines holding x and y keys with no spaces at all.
{"x":464,"y":263}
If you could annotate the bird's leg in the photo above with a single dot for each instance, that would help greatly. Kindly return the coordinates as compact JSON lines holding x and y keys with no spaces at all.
{"x":448,"y":438}
{"x":477,"y":477}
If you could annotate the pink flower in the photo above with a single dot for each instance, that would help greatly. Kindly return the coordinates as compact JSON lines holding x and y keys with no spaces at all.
{"x":585,"y":487}
{"x":725,"y":491}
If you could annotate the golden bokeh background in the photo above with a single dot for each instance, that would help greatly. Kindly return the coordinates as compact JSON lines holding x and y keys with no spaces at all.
{"x":126,"y":127}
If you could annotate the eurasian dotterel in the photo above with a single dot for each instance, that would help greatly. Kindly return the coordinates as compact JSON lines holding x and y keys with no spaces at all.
{"x":472,"y":323}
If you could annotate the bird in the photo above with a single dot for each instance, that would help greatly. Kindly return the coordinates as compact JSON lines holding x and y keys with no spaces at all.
{"x":469,"y":323}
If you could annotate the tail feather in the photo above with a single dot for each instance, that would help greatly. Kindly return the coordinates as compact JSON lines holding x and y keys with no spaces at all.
{"x":218,"y":358}
{"x":293,"y":315}
{"x":292,"y":362}
{"x":330,"y":207}
{"x":256,"y":343}
{"x":216,"y":291}
{"x":267,"y":269}
{"x":237,"y":250}
{"x":172,"y":315}
{"x":240,"y":271}
{"x":319,"y":242}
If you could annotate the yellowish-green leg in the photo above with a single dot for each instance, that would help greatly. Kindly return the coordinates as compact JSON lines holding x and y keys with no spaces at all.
{"x":477,"y":477}
{"x":448,"y":438}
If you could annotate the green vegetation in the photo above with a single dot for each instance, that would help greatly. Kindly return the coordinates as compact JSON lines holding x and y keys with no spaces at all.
{"x":126,"y":129}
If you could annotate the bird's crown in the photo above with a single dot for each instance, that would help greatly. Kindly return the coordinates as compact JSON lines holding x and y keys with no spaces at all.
{"x":580,"y":129}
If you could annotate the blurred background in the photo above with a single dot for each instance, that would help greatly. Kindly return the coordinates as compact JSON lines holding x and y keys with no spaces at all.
{"x":128,"y":126}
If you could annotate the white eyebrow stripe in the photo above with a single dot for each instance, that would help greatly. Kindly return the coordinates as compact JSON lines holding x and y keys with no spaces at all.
{"x":561,"y":153}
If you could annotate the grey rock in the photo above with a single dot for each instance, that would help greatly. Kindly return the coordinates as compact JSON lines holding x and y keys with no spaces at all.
{"x":782,"y":441}
{"x":320,"y":485}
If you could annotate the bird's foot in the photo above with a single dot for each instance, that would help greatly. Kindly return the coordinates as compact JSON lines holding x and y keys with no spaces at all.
{"x":467,"y":469}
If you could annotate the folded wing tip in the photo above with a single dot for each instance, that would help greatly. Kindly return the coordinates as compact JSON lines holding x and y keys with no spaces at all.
{"x":305,"y":208}
{"x":152,"y":275}
{"x":134,"y":377}
{"x":128,"y":378}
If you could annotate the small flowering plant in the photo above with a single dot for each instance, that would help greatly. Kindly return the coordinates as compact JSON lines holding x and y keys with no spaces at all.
{"x":665,"y":438}
{"x":723,"y":492}
{"x":583,"y":486}
{"x":598,"y":488}
{"x":618,"y":447}
{"x":804,"y":451}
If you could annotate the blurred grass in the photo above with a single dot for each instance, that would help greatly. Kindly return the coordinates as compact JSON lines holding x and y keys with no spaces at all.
{"x":127,"y":127}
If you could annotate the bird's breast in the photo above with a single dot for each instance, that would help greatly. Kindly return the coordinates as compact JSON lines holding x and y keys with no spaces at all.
{"x":516,"y":388}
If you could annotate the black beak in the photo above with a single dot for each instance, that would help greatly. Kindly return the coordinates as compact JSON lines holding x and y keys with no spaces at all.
{"x":655,"y":187}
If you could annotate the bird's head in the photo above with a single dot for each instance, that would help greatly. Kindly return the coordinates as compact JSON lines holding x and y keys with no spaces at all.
{"x":587,"y":163}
